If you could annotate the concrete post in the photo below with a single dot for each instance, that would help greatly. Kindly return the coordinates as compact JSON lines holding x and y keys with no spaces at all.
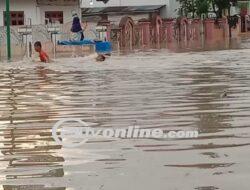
{"x":145,"y":32}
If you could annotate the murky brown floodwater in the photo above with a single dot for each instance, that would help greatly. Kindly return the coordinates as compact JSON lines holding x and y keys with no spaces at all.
{"x":152,"y":89}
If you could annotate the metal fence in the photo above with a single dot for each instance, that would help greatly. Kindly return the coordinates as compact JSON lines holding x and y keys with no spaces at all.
{"x":19,"y":42}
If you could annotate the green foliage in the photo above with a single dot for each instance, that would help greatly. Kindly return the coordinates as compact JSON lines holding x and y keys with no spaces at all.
{"x":202,"y":6}
{"x":195,"y":7}
{"x":187,"y":6}
{"x":219,"y":6}
{"x":199,"y":7}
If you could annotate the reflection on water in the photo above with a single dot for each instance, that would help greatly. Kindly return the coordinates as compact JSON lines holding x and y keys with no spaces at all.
{"x":154,"y":89}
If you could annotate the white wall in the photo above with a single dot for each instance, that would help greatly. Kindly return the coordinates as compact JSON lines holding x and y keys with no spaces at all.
{"x":172,"y":9}
{"x":37,"y":13}
{"x":67,"y":12}
{"x":28,"y":6}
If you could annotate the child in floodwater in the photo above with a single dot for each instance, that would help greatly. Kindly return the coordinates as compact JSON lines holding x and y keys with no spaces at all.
{"x":76,"y":28}
{"x":43,"y":56}
{"x":102,"y":57}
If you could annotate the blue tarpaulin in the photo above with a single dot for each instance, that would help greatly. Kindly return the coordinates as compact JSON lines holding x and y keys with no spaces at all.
{"x":100,"y":46}
{"x":103,"y":47}
{"x":76,"y":43}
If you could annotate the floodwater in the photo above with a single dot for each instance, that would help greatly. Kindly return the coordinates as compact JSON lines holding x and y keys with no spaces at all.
{"x":206,"y":91}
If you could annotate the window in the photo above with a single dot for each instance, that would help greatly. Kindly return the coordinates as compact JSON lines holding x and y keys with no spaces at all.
{"x":16,"y":18}
{"x":54,"y":16}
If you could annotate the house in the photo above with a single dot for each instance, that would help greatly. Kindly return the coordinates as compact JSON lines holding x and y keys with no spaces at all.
{"x":39,"y":11}
{"x":36,"y":13}
{"x":136,"y":9}
{"x":43,"y":11}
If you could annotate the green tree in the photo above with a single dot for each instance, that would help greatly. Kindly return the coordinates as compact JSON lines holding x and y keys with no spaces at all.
{"x":195,"y":7}
{"x":202,"y":6}
{"x":220,"y":5}
{"x":186,"y":7}
{"x":199,"y":7}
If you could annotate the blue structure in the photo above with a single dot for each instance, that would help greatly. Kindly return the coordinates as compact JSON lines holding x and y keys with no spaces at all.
{"x":100,"y":46}
{"x":103,"y":47}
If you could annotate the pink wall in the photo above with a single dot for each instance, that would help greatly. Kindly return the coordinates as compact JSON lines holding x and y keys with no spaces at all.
{"x":156,"y":30}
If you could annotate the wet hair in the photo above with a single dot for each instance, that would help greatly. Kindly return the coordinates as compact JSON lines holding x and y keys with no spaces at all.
{"x":38,"y":44}
{"x":100,"y":57}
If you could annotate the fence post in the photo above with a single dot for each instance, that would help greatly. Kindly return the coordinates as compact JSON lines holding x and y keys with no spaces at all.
{"x":145,"y":32}
{"x":7,"y":16}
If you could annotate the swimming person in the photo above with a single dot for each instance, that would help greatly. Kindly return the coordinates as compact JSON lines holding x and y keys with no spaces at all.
{"x":43,"y":56}
{"x":100,"y":58}
{"x":76,"y":28}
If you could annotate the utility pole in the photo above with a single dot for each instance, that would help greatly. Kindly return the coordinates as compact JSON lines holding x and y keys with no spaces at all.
{"x":7,"y":16}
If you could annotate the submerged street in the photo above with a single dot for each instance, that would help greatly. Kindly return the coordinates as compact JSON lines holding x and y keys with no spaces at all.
{"x":206,"y":91}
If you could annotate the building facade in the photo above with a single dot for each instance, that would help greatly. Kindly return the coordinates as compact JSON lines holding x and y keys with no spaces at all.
{"x":39,"y":11}
{"x":168,"y":8}
{"x":43,"y":11}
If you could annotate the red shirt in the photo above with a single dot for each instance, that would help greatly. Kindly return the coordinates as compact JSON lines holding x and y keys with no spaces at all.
{"x":43,"y":56}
